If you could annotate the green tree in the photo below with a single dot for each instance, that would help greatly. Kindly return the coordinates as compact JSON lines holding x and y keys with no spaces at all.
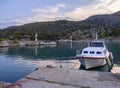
{"x":116,"y":32}
{"x":102,"y":35}
{"x":15,"y":41}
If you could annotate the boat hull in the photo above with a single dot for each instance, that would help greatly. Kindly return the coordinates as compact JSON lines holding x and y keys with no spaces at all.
{"x":89,"y":63}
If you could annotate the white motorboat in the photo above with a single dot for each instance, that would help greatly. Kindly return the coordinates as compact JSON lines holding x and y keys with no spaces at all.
{"x":95,"y":55}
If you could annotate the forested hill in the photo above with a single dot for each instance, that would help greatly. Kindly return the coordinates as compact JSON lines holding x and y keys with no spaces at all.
{"x":61,"y":29}
{"x":107,"y":25}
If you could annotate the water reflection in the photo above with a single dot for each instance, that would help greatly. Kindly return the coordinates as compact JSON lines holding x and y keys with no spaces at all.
{"x":36,"y":50}
{"x":64,"y":49}
{"x":51,"y":46}
{"x":71,"y":45}
{"x":60,"y":51}
{"x":4,"y":50}
{"x":40,"y":52}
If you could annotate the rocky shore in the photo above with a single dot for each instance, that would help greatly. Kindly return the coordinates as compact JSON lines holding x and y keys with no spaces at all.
{"x":9,"y":43}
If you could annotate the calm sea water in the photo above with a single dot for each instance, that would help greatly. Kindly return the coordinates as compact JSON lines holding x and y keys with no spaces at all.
{"x":17,"y":62}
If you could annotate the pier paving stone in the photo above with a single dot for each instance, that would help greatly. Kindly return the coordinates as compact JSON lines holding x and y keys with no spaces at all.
{"x":69,"y":78}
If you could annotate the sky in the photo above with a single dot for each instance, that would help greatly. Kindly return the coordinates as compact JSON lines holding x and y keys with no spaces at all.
{"x":19,"y":12}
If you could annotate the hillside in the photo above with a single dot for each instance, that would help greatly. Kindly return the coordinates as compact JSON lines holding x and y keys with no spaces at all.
{"x":107,"y":25}
{"x":50,"y":30}
{"x":108,"y":20}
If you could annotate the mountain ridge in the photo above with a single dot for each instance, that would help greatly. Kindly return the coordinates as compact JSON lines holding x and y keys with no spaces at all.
{"x":109,"y":20}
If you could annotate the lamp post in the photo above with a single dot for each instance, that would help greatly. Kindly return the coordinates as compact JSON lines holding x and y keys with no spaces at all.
{"x":36,"y":37}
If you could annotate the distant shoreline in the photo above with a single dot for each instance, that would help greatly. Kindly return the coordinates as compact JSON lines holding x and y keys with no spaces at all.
{"x":10,"y":43}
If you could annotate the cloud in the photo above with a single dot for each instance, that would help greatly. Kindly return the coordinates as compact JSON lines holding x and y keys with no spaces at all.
{"x":47,"y":14}
{"x":59,"y":11}
{"x":37,"y":18}
{"x":97,"y":7}
{"x":62,"y":5}
{"x":81,"y":13}
{"x":50,"y":9}
{"x":47,"y":10}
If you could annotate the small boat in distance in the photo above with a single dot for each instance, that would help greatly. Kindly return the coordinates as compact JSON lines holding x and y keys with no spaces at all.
{"x":95,"y":55}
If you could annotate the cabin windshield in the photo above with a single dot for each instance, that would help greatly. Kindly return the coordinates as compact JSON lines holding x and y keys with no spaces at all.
{"x":96,"y":44}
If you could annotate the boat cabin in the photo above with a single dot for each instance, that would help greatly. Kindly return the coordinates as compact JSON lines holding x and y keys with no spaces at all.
{"x":96,"y":44}
{"x":95,"y":48}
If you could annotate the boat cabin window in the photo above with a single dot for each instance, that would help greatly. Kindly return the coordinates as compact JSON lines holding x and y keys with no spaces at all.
{"x":85,"y":52}
{"x":99,"y":52}
{"x":96,"y":44}
{"x":92,"y":52}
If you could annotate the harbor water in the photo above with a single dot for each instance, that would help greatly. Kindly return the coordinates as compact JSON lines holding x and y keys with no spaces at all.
{"x":17,"y":62}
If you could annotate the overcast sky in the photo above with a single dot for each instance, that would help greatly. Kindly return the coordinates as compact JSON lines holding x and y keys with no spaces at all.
{"x":18,"y":12}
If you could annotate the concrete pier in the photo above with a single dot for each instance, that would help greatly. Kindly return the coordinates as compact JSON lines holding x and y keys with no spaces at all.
{"x":47,"y":77}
